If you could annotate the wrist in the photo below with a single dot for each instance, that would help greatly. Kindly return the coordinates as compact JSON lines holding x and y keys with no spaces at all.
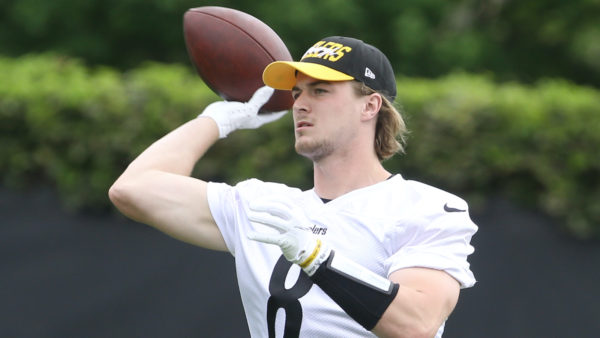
{"x":361,"y":293}
{"x":311,"y":261}
{"x":219,"y":120}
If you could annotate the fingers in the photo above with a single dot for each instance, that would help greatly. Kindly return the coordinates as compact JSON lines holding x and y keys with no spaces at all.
{"x":269,"y":220}
{"x":278,"y":206}
{"x":267,"y":118}
{"x":281,"y":205}
{"x":279,"y":213}
{"x":263,"y":237}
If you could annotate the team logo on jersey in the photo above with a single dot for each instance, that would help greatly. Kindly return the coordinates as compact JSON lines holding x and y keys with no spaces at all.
{"x":318,"y":230}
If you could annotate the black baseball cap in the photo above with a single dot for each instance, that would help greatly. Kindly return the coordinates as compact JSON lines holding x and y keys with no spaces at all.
{"x":337,"y":58}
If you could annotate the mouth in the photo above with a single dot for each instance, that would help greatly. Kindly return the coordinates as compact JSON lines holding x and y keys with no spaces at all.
{"x":303,"y":124}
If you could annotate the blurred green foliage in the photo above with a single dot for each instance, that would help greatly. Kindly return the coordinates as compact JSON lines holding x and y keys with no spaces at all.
{"x":516,"y":40}
{"x":78,"y":127}
{"x":536,"y":144}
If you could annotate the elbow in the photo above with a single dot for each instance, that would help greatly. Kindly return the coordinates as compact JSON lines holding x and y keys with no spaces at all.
{"x":120,"y":195}
{"x":130,"y":195}
{"x":416,"y":329}
{"x":116,"y":194}
{"x":425,"y":331}
{"x":422,"y":329}
{"x":412,"y":333}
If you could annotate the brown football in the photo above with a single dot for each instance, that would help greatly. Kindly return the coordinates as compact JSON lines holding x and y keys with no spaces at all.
{"x":230,"y":49}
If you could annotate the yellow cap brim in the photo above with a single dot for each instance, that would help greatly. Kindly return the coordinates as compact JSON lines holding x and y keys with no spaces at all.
{"x":282,"y":74}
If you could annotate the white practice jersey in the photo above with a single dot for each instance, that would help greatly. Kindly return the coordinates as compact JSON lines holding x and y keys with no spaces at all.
{"x":388,"y":226}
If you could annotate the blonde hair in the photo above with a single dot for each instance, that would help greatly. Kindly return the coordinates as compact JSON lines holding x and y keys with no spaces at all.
{"x":390,"y":130}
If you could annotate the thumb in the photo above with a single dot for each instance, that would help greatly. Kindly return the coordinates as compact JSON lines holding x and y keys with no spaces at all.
{"x":261,"y":96}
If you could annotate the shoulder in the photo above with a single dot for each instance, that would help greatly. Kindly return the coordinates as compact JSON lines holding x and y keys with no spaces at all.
{"x":421,"y":196}
{"x":257,"y":187}
{"x":254,"y":188}
{"x":435,"y":231}
{"x":407,"y":195}
{"x":422,"y":208}
{"x":438,"y":213}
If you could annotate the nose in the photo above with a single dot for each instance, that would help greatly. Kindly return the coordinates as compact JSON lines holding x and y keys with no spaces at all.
{"x":300,"y":103}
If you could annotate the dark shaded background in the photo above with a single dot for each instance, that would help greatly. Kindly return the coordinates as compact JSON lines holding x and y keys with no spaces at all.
{"x":85,"y":275}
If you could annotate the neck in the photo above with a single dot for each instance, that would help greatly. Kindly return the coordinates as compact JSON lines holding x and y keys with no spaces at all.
{"x":336,"y":176}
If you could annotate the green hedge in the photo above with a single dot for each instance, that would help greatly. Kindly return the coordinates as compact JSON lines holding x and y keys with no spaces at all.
{"x":537,"y":144}
{"x":76,"y":128}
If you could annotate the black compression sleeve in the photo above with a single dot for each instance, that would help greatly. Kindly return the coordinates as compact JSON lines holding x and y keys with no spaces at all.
{"x":362,"y":301}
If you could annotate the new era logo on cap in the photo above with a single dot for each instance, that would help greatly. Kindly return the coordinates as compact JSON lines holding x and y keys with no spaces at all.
{"x":369,"y":73}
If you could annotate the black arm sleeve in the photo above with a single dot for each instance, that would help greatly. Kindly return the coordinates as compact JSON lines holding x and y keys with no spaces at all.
{"x":362,"y":302}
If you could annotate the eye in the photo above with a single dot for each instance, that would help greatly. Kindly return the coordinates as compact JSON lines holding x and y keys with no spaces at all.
{"x":318,"y":91}
{"x":295,"y":94}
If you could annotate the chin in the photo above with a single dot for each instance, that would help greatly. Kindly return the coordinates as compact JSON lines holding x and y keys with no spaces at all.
{"x":313,"y":150}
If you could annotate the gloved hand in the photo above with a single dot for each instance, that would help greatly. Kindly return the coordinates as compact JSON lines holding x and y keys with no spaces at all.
{"x":293,"y":235}
{"x":231,"y":116}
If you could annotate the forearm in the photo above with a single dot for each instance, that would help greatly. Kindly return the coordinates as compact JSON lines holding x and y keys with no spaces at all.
{"x":177,"y":152}
{"x":425,"y":299}
{"x":407,"y":316}
{"x":156,"y":188}
{"x":414,"y":303}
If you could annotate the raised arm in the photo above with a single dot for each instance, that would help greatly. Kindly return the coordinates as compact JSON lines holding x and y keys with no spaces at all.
{"x":156,"y":188}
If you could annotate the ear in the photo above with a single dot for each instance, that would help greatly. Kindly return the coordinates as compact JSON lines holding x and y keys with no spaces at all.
{"x":371,"y":108}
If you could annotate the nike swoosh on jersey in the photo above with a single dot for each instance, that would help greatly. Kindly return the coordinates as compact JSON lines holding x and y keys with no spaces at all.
{"x":450,"y":209}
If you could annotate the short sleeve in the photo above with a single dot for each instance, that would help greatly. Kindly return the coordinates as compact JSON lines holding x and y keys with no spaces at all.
{"x":229,"y":204}
{"x":223,"y":206}
{"x":441,"y":243}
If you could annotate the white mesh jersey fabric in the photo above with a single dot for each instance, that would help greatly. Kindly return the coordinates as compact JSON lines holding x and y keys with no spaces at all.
{"x":388,"y":226}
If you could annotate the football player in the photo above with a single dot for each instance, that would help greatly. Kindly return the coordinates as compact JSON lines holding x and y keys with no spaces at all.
{"x":363,"y":253}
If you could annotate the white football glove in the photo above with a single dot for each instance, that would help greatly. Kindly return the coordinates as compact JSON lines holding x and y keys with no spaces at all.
{"x":231,"y":116}
{"x":293,"y":235}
